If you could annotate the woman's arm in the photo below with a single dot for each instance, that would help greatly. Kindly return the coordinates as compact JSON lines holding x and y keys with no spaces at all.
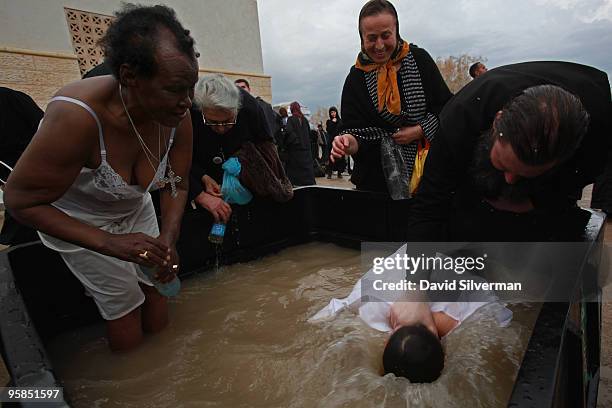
{"x":64,"y":144}
{"x":179,"y":158}
{"x":172,"y":208}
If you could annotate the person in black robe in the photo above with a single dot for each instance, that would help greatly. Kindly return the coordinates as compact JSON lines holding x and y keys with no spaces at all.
{"x":19,"y":118}
{"x":299,"y":165}
{"x":510,"y":161}
{"x":333,"y":126}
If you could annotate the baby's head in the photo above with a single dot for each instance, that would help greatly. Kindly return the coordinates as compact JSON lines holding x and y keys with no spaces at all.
{"x":414,"y":352}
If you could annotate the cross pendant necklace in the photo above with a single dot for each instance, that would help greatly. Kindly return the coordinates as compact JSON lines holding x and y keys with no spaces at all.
{"x":171,"y":178}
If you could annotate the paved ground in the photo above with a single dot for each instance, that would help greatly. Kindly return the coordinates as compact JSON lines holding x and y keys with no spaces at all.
{"x":335,"y":181}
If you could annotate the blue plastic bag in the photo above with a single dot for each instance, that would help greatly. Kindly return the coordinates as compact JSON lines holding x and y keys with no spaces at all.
{"x":233,"y":192}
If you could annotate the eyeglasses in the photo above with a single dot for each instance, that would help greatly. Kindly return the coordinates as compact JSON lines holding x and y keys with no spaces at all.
{"x":217,"y":124}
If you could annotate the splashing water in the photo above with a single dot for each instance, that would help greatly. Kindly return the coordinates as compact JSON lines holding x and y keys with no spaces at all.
{"x":240,"y":338}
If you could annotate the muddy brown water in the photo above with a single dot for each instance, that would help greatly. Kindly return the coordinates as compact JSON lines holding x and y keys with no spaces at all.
{"x":239,"y":337}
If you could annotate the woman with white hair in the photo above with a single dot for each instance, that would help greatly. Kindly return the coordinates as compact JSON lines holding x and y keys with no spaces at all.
{"x":228,"y":117}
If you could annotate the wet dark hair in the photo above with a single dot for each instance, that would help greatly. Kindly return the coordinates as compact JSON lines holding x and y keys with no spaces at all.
{"x":473,"y":69}
{"x":374,"y":8}
{"x":133,"y":37}
{"x":415,"y":353}
{"x":333,"y":109}
{"x":243,"y":80}
{"x":544,"y":124}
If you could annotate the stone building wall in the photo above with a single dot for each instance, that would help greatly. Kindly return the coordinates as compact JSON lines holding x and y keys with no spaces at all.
{"x":41,"y":74}
{"x":37,"y":44}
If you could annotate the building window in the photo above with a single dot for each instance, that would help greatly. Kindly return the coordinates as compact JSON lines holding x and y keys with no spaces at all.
{"x":86,"y":29}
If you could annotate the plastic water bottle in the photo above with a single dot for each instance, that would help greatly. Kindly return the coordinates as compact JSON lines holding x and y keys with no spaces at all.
{"x":217,"y":232}
{"x":393,"y":164}
{"x":168,"y":289}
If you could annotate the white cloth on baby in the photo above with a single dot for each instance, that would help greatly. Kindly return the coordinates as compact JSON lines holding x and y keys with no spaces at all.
{"x":375,"y":312}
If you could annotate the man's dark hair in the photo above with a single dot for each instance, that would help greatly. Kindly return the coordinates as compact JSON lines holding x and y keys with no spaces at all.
{"x":473,"y":69}
{"x":544,"y":124}
{"x":132,"y":38}
{"x":244,"y":81}
{"x":376,"y":7}
{"x":415,"y":353}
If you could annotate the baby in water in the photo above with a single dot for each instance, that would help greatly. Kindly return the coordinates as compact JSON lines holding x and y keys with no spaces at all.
{"x":415,"y":352}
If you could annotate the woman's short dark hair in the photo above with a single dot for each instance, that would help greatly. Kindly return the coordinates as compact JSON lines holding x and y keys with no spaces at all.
{"x":132,"y":38}
{"x":415,"y":353}
{"x":376,"y":7}
{"x":544,"y":124}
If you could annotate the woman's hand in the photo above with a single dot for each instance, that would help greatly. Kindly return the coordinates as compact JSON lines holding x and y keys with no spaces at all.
{"x":166,"y":274}
{"x":409,"y":134}
{"x":211,"y":186}
{"x":343,"y":145}
{"x":220,"y":210}
{"x":138,"y":248}
{"x":411,"y":313}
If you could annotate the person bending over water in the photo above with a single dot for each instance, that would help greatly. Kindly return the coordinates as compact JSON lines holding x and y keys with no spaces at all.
{"x":103,"y":144}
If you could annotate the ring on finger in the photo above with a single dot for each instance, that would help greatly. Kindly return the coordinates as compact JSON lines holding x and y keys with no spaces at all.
{"x":144,"y":254}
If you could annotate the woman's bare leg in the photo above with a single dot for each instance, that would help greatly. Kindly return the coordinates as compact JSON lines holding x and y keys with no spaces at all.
{"x":125,"y":333}
{"x":154,"y":310}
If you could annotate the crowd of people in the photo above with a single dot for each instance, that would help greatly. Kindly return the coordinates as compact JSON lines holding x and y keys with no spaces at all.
{"x":519,"y":140}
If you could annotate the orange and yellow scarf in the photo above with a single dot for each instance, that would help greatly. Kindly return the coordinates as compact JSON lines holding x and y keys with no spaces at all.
{"x":388,"y":90}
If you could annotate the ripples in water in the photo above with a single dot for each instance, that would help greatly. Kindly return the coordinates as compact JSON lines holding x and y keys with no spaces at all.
{"x":240,"y":338}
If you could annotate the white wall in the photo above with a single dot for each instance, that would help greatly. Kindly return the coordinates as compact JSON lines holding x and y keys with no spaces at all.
{"x":226,"y":31}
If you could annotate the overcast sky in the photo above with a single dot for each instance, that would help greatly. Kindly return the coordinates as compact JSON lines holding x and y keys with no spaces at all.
{"x":309,"y":46}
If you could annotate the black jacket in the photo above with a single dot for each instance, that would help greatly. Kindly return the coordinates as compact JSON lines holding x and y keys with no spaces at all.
{"x":472,"y":111}
{"x":359,"y":112}
{"x":207,"y":145}
{"x":299,"y":165}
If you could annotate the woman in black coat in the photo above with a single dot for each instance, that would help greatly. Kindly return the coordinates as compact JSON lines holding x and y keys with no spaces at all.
{"x":334,"y":125}
{"x":299,"y":166}
{"x":391,"y":100}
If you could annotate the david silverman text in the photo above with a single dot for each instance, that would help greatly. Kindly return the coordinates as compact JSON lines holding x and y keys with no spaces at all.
{"x":463,"y":284}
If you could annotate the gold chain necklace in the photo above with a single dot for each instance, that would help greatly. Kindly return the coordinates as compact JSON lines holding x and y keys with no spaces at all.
{"x":148,"y":153}
{"x":171,"y":178}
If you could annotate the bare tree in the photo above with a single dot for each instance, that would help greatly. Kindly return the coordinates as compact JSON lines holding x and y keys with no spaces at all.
{"x":320,"y":116}
{"x":455,"y":70}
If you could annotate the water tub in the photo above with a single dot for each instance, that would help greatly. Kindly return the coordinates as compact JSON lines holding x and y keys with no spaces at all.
{"x":40,"y":298}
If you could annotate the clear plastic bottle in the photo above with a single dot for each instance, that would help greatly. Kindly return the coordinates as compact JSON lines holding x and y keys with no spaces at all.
{"x":393,"y":163}
{"x":217,"y":232}
{"x":168,"y":289}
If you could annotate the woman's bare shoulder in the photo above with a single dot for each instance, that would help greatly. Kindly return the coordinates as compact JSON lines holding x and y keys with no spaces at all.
{"x":92,"y":91}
